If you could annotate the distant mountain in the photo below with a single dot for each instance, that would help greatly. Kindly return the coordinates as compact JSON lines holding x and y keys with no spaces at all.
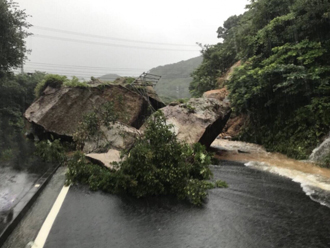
{"x":109,"y":77}
{"x":176,"y":78}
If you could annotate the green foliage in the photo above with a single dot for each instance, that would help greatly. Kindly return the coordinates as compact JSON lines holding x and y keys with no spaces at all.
{"x":183,"y":100}
{"x":157,"y":165}
{"x":217,"y":60}
{"x":13,"y":27}
{"x":187,"y":106}
{"x":129,"y":80}
{"x":221,"y":184}
{"x":50,"y":151}
{"x":75,"y":83}
{"x":90,"y":127}
{"x":52,"y":80}
{"x":57,"y":81}
{"x":283,"y":84}
{"x":6,"y":155}
{"x":16,"y":94}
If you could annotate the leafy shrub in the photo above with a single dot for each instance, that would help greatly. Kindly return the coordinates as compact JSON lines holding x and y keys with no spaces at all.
{"x":190,"y":108}
{"x":75,"y":83}
{"x":129,"y":80}
{"x":183,"y":100}
{"x":221,"y":184}
{"x":157,"y":165}
{"x":6,"y":155}
{"x":50,"y":151}
{"x":90,"y":127}
{"x":51,"y":80}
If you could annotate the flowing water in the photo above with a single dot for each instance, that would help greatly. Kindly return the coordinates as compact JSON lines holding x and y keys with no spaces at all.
{"x":314,"y":181}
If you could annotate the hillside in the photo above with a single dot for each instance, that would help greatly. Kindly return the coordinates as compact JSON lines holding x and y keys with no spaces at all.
{"x":283,"y":83}
{"x":109,"y":77}
{"x":176,"y":78}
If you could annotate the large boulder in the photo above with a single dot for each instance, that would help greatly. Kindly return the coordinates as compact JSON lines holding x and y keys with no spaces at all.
{"x":59,"y":111}
{"x":106,"y":148}
{"x":106,"y":159}
{"x":321,"y":151}
{"x":119,"y":137}
{"x":220,"y":94}
{"x":199,"y":120}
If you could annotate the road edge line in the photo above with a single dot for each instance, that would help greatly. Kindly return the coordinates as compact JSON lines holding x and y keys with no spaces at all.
{"x":48,"y":223}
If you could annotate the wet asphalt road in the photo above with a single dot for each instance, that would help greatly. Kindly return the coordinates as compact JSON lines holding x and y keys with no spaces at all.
{"x":257,"y":210}
{"x":29,"y":226}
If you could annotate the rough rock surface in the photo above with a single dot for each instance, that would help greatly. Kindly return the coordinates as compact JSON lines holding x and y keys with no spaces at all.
{"x":60,"y":110}
{"x":321,"y":151}
{"x":105,"y":159}
{"x":199,"y":120}
{"x":220,"y":94}
{"x":233,"y":127}
{"x":120,"y":137}
{"x":227,"y":76}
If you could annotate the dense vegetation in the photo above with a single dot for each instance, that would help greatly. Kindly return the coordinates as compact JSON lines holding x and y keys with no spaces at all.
{"x":175,"y":79}
{"x":16,"y":94}
{"x":13,"y":27}
{"x":283,"y":83}
{"x":157,"y":165}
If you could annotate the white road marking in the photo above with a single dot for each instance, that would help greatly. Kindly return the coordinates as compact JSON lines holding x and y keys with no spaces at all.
{"x":48,"y":223}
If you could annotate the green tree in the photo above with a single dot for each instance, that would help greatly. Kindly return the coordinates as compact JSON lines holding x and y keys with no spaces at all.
{"x":13,"y":31}
{"x":158,"y":164}
{"x":16,"y":94}
{"x":283,"y":84}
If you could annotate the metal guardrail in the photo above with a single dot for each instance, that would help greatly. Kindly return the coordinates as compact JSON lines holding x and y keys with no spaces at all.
{"x":147,"y":79}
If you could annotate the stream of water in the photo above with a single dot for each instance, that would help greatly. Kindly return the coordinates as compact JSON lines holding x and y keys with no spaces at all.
{"x":313,"y":180}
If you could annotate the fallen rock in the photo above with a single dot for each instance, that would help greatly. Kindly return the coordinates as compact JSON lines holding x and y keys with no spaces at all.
{"x":321,"y":151}
{"x":233,"y":127}
{"x":228,"y":74}
{"x":220,"y":94}
{"x":105,"y":159}
{"x":199,"y":120}
{"x":59,"y":111}
{"x":119,"y":137}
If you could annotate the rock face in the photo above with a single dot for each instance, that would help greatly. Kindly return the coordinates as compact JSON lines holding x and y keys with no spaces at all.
{"x":120,"y":137}
{"x":227,"y":76}
{"x":233,"y":127}
{"x":220,"y":94}
{"x":199,"y":120}
{"x":60,"y":110}
{"x":105,"y":159}
{"x":321,"y":151}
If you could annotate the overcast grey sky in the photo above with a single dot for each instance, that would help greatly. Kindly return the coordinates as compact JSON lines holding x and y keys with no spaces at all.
{"x":93,"y":37}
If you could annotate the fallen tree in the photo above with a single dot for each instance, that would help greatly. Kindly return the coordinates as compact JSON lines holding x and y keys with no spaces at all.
{"x":158,"y":164}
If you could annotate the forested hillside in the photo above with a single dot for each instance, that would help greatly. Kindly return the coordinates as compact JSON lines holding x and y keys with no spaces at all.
{"x":283,"y":83}
{"x":175,"y":78}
